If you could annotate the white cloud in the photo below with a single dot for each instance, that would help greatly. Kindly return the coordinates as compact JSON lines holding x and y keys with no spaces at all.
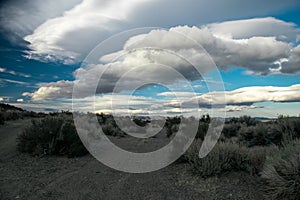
{"x":119,"y":104}
{"x":12,"y":72}
{"x":241,"y":108}
{"x":238,"y":100}
{"x":256,"y":27}
{"x":51,"y":91}
{"x":20,"y":100}
{"x":292,"y":63}
{"x":22,"y":17}
{"x":12,"y":81}
{"x":246,"y":96}
{"x":70,"y":36}
{"x":1,"y":99}
{"x":257,"y":54}
{"x":257,"y":49}
{"x":77,"y":31}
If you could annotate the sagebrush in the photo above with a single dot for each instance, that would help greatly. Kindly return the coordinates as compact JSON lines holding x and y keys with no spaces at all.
{"x":226,"y":157}
{"x":53,"y":135}
{"x":281,"y":173}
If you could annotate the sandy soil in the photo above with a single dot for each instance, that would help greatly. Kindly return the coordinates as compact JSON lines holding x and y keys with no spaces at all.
{"x":25,"y":177}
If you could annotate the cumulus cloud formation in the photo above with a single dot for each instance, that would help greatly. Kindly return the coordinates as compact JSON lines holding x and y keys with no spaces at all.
{"x":260,"y":45}
{"x":67,"y":30}
{"x":259,"y":51}
{"x":89,"y":22}
{"x":52,"y":91}
{"x":263,"y":45}
{"x":68,"y":37}
{"x":292,"y":63}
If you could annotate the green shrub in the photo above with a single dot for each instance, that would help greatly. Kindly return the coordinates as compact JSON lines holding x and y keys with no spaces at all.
{"x":52,"y":136}
{"x":172,"y":125}
{"x":246,"y":135}
{"x":261,"y":137}
{"x":257,"y":135}
{"x":2,"y":120}
{"x":202,"y":130}
{"x":109,"y":129}
{"x":257,"y":157}
{"x":226,"y":157}
{"x":281,"y":173}
{"x":230,"y":130}
{"x":109,"y":125}
{"x":254,"y":133}
{"x":288,"y":128}
{"x":247,"y":120}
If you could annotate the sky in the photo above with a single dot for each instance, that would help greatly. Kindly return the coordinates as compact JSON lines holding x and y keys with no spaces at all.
{"x":158,"y":57}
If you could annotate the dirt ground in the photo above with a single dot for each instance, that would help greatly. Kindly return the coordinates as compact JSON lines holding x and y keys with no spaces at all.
{"x":25,"y":177}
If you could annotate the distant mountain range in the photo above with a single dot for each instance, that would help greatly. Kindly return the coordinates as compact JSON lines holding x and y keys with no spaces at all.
{"x":257,"y":118}
{"x":264,"y":118}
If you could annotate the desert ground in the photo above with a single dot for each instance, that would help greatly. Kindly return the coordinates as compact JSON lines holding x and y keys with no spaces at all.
{"x":50,"y":177}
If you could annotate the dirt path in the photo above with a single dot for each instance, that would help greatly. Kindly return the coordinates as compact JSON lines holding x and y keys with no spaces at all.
{"x":26,"y":177}
{"x":8,"y":135}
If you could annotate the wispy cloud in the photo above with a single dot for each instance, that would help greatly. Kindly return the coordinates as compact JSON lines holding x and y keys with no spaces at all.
{"x":13,"y":81}
{"x":12,"y":72}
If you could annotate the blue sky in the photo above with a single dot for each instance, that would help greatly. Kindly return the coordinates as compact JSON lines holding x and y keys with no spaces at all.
{"x":43,"y":44}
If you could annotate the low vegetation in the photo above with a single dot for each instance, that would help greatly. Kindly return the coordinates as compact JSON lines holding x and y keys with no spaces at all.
{"x":281,"y":173}
{"x":226,"y":157}
{"x":52,"y":135}
{"x":9,"y":113}
{"x":268,"y":150}
{"x":109,"y":126}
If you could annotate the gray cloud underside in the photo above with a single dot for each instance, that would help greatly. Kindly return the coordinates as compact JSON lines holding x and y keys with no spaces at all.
{"x":266,"y":46}
{"x":177,"y":48}
{"x":260,"y":45}
{"x":20,"y":18}
{"x":70,"y":36}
